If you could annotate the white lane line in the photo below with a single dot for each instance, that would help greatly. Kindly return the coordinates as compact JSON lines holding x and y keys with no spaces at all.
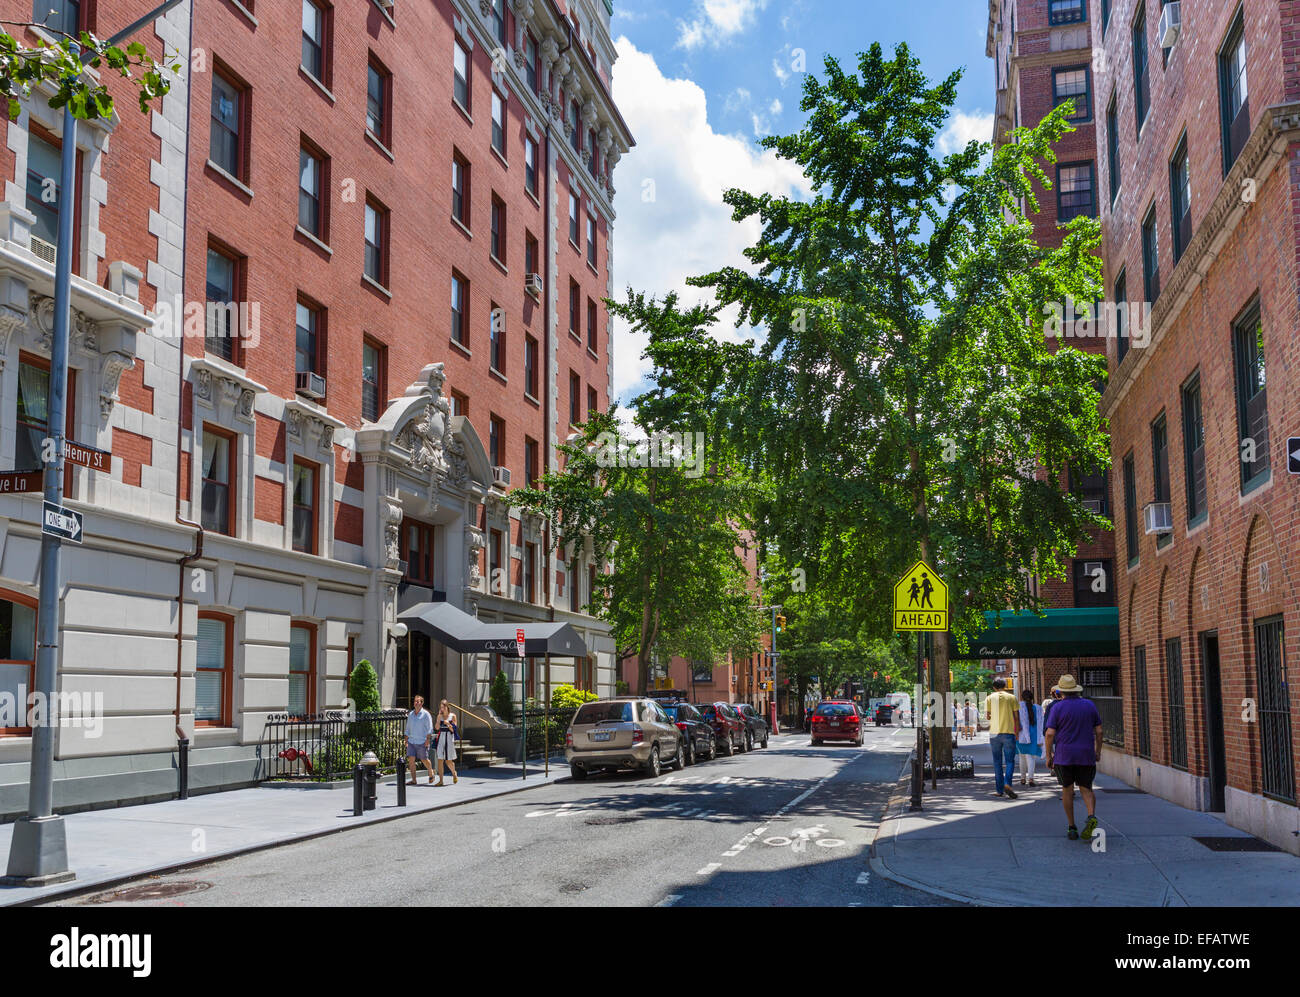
{"x":708,"y":869}
{"x":669,"y":900}
{"x":864,"y":878}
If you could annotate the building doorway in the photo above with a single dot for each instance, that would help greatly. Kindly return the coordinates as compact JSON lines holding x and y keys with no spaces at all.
{"x":1216,"y":753}
{"x":415,"y":671}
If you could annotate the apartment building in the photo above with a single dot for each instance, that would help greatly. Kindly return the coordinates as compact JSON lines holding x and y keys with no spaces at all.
{"x":1043,"y":56}
{"x":373,"y":243}
{"x":1201,"y":221}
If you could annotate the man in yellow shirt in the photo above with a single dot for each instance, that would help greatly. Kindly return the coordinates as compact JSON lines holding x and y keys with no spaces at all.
{"x":1001,"y":710}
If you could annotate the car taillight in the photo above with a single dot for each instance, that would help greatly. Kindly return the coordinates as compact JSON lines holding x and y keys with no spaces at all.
{"x":637,"y":735}
{"x":568,"y":739}
{"x":681,"y":726}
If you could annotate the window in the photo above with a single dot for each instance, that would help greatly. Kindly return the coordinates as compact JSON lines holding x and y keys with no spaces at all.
{"x":1276,"y":759}
{"x":575,"y":598}
{"x":313,"y":40}
{"x":17,"y":657}
{"x":304,"y":507}
{"x":591,"y":325}
{"x":374,"y":364}
{"x":1092,"y":584}
{"x":460,"y":74}
{"x":530,"y":253}
{"x":459,"y":309}
{"x":1105,"y":17}
{"x":1092,"y":489}
{"x":1141,"y":701}
{"x":218,"y":477}
{"x":1130,"y":509}
{"x":60,"y":16}
{"x":497,"y":339}
{"x":530,"y":462}
{"x":530,"y":60}
{"x":575,"y":316}
{"x":212,"y":671}
{"x":33,"y":415}
{"x":530,"y":366}
{"x":1234,"y":103}
{"x":575,"y":126}
{"x":1112,"y":148}
{"x":1141,"y":76}
{"x":307,"y":356}
{"x":591,"y":586}
{"x":1160,"y":468}
{"x":498,"y":229}
{"x":459,"y":404}
{"x":1180,"y":200}
{"x":44,"y":194}
{"x":593,"y":402}
{"x":575,"y":399}
{"x":302,"y":670}
{"x":499,"y":21}
{"x":1074,"y":192}
{"x":311,"y":184}
{"x":1177,"y":710}
{"x":1150,"y":257}
{"x":222,"y":328}
{"x":1067,"y":11}
{"x":417,"y":552}
{"x":1194,"y":449}
{"x":530,"y":165}
{"x":574,"y":234}
{"x":530,"y":572}
{"x":1252,"y":395}
{"x":379,"y":82}
{"x":498,"y":123}
{"x":460,"y":189}
{"x":1121,"y":317}
{"x":226,"y":147}
{"x":591,"y":238}
{"x":498,"y":583}
{"x":376,"y":242}
{"x":496,"y":441}
{"x":1073,"y":84}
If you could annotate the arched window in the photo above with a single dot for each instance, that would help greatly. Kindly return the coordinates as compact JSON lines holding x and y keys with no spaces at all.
{"x":17,"y":661}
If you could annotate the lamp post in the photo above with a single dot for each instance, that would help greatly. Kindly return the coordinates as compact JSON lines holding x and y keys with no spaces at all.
{"x":38,"y":853}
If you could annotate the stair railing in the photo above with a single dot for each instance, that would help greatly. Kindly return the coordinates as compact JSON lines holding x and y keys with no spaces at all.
{"x":468,"y":713}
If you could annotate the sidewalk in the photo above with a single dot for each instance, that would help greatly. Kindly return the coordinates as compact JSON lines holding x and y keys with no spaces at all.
{"x":966,"y":844}
{"x":110,"y":846}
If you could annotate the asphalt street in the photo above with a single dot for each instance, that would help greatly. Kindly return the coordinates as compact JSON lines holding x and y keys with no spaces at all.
{"x":786,"y":825}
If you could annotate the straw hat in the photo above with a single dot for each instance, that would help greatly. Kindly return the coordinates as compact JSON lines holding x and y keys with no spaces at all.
{"x":1067,"y":684}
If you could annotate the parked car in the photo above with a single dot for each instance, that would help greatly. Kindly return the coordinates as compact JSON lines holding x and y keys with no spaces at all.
{"x":837,"y":720}
{"x":728,"y":729}
{"x":625,"y":733}
{"x":756,"y":728}
{"x":697,"y":732}
{"x":884,"y":714}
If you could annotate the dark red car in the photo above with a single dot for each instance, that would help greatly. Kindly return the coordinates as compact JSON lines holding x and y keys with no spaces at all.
{"x":728,"y":728}
{"x":837,"y":720}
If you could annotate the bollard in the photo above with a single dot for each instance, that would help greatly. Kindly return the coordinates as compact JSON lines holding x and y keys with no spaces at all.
{"x":370,"y":765}
{"x":183,"y":767}
{"x":401,"y":783}
{"x":357,"y":801}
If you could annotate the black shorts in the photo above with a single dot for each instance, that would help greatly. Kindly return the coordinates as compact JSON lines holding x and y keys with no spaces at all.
{"x":1076,"y":775}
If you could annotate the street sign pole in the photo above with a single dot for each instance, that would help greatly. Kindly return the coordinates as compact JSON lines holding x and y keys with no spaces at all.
{"x":920,"y":748}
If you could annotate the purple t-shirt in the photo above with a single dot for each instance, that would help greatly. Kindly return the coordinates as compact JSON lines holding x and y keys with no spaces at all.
{"x":1074,"y":719}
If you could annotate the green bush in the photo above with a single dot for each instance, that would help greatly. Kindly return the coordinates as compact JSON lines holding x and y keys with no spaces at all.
{"x":566,"y":697}
{"x":500,"y":700}
{"x":363,"y":688}
{"x":621,"y":688}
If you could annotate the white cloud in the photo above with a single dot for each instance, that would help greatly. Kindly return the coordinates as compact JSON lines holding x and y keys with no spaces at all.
{"x":687,"y":229}
{"x":775,"y":107}
{"x":962,"y":128}
{"x":716,"y":21}
{"x":780,"y":72}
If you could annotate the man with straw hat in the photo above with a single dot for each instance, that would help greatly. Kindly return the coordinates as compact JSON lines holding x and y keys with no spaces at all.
{"x":1073,"y":746}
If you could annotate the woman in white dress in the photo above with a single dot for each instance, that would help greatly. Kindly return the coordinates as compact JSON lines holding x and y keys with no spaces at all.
{"x":1029,"y":739}
{"x":445,"y":730}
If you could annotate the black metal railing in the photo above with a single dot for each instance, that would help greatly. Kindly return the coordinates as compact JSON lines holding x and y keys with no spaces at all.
{"x":321,"y":747}
{"x":1111,"y":709}
{"x":546,"y":730}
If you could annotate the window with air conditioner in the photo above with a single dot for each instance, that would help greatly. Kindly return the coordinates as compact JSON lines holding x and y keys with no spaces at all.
{"x":1159,"y":514}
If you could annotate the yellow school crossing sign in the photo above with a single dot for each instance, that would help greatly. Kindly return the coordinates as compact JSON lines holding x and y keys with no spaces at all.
{"x":921,"y":600}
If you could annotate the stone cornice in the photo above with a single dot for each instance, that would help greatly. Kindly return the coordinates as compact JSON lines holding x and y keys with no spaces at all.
{"x":1265,"y":149}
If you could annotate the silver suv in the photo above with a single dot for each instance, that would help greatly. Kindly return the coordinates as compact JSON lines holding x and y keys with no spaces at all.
{"x":622,"y":733}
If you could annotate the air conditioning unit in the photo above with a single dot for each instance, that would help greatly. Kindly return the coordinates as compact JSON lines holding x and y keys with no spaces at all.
{"x":1171,"y":24}
{"x":1091,"y":568}
{"x":1159,"y":517}
{"x":1093,"y":505}
{"x":533,"y":284}
{"x":310,"y":384}
{"x":385,"y":4}
{"x":501,"y":477}
{"x":44,"y":250}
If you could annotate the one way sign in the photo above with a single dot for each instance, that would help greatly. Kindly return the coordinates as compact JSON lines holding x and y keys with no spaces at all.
{"x":60,"y":522}
{"x":1293,"y":455}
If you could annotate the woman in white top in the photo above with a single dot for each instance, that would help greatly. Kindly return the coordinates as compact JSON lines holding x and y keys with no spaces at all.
{"x":1029,"y":740}
{"x":444,"y":729}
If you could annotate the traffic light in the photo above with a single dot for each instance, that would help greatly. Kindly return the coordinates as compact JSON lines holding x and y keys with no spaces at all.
{"x":780,"y":624}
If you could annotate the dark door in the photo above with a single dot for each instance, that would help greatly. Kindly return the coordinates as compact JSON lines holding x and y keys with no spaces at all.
{"x":1214,"y":720}
{"x":413,"y":672}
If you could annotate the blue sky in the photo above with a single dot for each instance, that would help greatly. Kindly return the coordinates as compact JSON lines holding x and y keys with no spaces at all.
{"x":700,"y":81}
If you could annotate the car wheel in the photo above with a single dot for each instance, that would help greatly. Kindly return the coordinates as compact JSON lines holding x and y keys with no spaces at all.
{"x":765,"y":736}
{"x":652,"y":767}
{"x":578,"y":772}
{"x":679,"y":762}
{"x":730,"y":746}
{"x":690,"y":752}
{"x":749,"y":741}
{"x":816,"y":742}
{"x":713,"y":749}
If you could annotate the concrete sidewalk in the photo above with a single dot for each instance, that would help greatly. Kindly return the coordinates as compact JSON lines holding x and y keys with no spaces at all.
{"x":110,"y":846}
{"x":966,"y":844}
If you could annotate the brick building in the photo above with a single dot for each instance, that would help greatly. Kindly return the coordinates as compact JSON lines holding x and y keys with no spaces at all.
{"x":1201,"y":220}
{"x":1043,"y":55}
{"x":362,"y":251}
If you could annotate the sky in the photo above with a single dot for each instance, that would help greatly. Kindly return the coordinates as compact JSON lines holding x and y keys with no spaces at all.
{"x":700,"y":82}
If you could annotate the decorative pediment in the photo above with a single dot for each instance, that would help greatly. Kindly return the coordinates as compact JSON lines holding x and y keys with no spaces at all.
{"x":224,"y":388}
{"x":311,"y":426}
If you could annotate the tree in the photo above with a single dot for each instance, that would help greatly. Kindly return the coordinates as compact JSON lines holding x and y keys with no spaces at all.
{"x":669,"y":512}
{"x":363,"y":688}
{"x":906,"y":400}
{"x":60,"y":63}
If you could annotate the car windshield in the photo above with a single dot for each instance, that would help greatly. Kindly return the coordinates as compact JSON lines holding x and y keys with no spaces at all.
{"x":670,"y":709}
{"x":604,"y":713}
{"x":707,"y":712}
{"x":835,"y":710}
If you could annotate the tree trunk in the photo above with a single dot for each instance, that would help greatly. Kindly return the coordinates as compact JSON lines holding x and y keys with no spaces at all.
{"x":941,"y":743}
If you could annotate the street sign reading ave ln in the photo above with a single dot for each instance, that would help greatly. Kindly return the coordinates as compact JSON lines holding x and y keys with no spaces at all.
{"x":60,"y":522}
{"x":21,"y":482}
{"x":921,"y":600}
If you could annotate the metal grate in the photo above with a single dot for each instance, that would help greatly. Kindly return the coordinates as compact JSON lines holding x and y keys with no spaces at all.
{"x":1177,"y":710}
{"x":1236,"y":843}
{"x":1274,"y":710}
{"x":1111,"y":709}
{"x":1141,"y":702}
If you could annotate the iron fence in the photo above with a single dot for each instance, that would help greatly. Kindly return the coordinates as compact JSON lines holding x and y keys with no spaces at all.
{"x":321,"y":747}
{"x":1111,"y":709}
{"x":547,"y":730}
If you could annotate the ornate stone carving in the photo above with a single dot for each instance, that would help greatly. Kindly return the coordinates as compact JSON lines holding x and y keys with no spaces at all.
{"x":458,"y":463}
{"x":82,"y":331}
{"x":485,"y":7}
{"x":392,"y":516}
{"x":326,"y":438}
{"x":110,"y":375}
{"x":246,"y":403}
{"x":473,"y":547}
{"x":203,"y":385}
{"x":293,"y":422}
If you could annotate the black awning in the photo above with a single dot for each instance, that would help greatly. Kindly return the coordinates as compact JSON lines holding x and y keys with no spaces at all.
{"x":1058,"y":633}
{"x":468,"y":635}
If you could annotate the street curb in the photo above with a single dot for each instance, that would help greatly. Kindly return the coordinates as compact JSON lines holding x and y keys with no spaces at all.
{"x":78,"y":888}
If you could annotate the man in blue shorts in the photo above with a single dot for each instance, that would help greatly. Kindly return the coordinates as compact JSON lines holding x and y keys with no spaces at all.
{"x":1073,"y":744}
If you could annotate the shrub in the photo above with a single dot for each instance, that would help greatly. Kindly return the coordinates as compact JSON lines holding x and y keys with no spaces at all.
{"x":621,"y":688}
{"x":363,"y":688}
{"x":566,"y":697}
{"x":500,"y":700}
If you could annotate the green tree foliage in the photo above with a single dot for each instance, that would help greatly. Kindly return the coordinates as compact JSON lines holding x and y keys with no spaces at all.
{"x":363,"y":688}
{"x":673,"y":528}
{"x":499,"y":698}
{"x":566,"y":697}
{"x":906,"y":400}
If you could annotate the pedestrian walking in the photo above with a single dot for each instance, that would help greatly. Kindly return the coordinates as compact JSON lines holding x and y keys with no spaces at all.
{"x":448,"y":733}
{"x":972,"y":720}
{"x":1029,"y":739}
{"x":1000,"y":710}
{"x":1047,"y":703}
{"x":419,"y":730}
{"x":1073,"y":745}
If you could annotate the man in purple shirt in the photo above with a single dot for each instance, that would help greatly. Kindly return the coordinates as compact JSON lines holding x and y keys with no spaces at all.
{"x":1073,"y":743}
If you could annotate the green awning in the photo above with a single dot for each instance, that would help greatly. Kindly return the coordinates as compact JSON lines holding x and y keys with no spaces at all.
{"x":1062,"y":633}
